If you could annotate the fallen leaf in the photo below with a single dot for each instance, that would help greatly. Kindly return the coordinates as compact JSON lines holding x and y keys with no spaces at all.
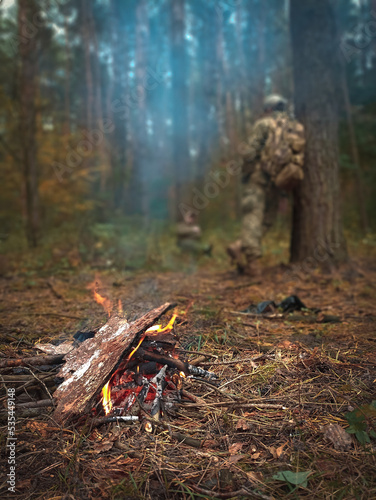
{"x":234,"y":448}
{"x":255,"y":455}
{"x":338,"y":436}
{"x":242,"y":425}
{"x":279,"y":450}
{"x":255,"y":477}
{"x":295,"y":478}
{"x":103,"y":446}
{"x":211,"y":443}
{"x":236,"y":458}
{"x":40,"y":427}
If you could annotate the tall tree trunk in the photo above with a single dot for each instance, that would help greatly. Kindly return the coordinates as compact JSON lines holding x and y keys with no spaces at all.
{"x":98,"y":108}
{"x":317,"y":235}
{"x":242,"y":80}
{"x":85,"y":32}
{"x":221,"y":81}
{"x":139,"y":181}
{"x":259,"y":89}
{"x":359,"y":184}
{"x":27,"y":90}
{"x":118,"y":112}
{"x":181,"y":156}
{"x":68,"y":62}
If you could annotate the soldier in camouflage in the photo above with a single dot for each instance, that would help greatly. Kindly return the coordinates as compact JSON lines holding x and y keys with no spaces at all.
{"x":260,"y":194}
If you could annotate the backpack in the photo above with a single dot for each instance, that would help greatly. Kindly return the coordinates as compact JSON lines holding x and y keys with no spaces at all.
{"x":282,"y":157}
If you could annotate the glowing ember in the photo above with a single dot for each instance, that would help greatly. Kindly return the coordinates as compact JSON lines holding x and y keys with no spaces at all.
{"x":106,"y":393}
{"x":127,"y":377}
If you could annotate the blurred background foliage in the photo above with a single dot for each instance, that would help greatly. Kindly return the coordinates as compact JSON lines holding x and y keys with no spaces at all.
{"x":179,"y":84}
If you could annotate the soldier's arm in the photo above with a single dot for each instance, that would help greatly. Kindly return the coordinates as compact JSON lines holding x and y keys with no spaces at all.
{"x":252,"y":149}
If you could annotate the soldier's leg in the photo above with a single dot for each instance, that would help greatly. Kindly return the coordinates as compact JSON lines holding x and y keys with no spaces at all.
{"x":253,"y":208}
{"x":272,"y":195}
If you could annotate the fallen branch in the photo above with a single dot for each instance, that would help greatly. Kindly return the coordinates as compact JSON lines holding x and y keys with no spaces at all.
{"x":33,"y":361}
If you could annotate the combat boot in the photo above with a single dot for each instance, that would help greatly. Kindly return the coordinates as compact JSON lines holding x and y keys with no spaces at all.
{"x":252,"y":269}
{"x":236,"y":254}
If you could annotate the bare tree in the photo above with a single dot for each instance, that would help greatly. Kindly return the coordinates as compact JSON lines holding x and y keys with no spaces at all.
{"x":28,"y":90}
{"x":317,"y":224}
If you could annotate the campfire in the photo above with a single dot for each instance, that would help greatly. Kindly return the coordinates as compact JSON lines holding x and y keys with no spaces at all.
{"x":126,"y":369}
{"x":151,"y":375}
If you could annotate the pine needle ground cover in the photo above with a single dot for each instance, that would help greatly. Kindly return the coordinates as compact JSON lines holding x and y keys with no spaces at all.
{"x":293,"y":413}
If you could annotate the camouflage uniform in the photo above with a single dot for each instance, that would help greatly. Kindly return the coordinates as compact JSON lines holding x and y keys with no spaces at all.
{"x":189,"y":237}
{"x":260,"y":196}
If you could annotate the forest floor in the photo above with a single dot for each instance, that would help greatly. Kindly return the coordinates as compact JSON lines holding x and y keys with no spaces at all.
{"x":289,"y":386}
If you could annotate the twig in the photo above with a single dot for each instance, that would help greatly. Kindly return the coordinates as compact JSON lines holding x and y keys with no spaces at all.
{"x":213,"y":387}
{"x":53,"y":290}
{"x":236,"y":361}
{"x":255,"y":315}
{"x":58,"y":315}
{"x":184,"y":351}
{"x":231,"y":494}
{"x":39,"y":380}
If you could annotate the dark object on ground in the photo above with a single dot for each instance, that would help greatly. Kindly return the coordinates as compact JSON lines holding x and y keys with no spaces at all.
{"x":82,"y":336}
{"x":292,"y":303}
{"x":265,"y":307}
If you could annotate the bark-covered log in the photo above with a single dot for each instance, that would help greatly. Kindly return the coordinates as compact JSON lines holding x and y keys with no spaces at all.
{"x":89,"y":367}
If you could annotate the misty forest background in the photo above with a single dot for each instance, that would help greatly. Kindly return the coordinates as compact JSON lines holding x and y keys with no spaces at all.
{"x":175,"y":87}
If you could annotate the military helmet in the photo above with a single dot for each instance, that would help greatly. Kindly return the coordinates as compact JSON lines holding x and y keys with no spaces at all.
{"x":275,"y":102}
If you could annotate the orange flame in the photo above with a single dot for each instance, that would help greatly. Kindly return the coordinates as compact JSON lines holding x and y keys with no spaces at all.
{"x":120,"y":308}
{"x":153,"y":329}
{"x":106,"y":401}
{"x":106,"y":391}
{"x":159,"y":329}
{"x":103,"y":301}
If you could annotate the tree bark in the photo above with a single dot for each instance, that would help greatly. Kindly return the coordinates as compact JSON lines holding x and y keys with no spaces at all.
{"x":317,"y":235}
{"x":139,"y":179}
{"x":359,"y":184}
{"x":68,"y":63}
{"x":28,"y":63}
{"x":181,"y":156}
{"x":85,"y":33}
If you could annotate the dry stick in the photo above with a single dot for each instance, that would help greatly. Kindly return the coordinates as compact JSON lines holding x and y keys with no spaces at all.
{"x":214,"y":388}
{"x":184,"y":351}
{"x":33,"y":361}
{"x":40,"y":381}
{"x":236,"y":361}
{"x":231,"y":494}
{"x":54,"y":291}
{"x":16,"y":379}
{"x":43,"y":403}
{"x":255,"y":315}
{"x":238,"y":404}
{"x":58,"y":315}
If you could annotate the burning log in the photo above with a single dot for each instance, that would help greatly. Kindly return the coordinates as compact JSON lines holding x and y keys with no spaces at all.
{"x":88,"y":367}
